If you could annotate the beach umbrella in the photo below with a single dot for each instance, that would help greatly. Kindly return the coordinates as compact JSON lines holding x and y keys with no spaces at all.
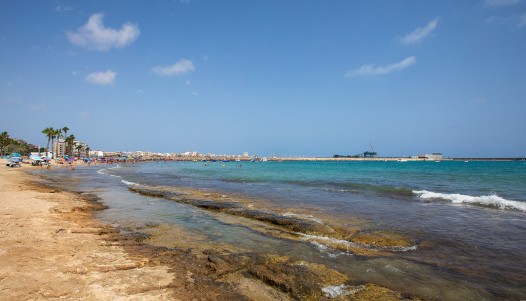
{"x":15,"y":159}
{"x":16,"y":155}
{"x":47,"y":159}
{"x":35,"y":158}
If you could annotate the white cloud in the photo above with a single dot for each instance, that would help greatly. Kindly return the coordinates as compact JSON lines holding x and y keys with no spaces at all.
{"x":93,"y":35}
{"x":102,"y":78}
{"x":371,"y":70}
{"x":420,"y":33}
{"x":181,"y":67}
{"x":497,"y":3}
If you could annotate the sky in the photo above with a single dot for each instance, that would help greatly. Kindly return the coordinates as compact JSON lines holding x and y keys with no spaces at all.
{"x":272,"y":77}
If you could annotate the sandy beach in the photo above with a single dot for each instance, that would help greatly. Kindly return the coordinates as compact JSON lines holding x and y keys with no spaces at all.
{"x":53,"y":248}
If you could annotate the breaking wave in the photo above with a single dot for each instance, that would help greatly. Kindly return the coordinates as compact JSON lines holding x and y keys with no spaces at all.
{"x":129,"y":183}
{"x":104,"y":171}
{"x":492,"y":200}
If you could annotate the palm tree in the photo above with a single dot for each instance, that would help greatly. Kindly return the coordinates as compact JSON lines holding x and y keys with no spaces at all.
{"x":69,"y":144}
{"x":87,"y":151}
{"x":79,"y":148}
{"x":4,"y":141}
{"x":49,"y":133}
{"x":54,"y":135}
{"x":65,"y":130}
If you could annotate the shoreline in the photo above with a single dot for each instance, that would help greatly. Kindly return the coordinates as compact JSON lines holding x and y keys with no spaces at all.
{"x":75,"y":256}
{"x":52,"y":247}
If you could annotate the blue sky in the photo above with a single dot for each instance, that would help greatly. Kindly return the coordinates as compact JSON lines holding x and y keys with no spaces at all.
{"x":312,"y":78}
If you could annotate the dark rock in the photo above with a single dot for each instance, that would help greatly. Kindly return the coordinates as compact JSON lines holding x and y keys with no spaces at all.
{"x":213,"y":205}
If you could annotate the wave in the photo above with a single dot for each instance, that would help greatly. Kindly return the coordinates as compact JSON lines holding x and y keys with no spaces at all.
{"x":492,"y":200}
{"x":384,"y":190}
{"x":335,"y":241}
{"x":103,"y":171}
{"x":129,"y":183}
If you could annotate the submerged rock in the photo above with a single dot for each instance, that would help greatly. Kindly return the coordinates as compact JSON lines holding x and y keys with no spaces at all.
{"x":289,"y":226}
{"x":299,"y":279}
{"x":382,"y":238}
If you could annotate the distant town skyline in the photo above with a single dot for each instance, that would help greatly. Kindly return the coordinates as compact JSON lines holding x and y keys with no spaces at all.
{"x":284,"y":78}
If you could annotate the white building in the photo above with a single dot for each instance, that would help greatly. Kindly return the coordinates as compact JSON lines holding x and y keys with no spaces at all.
{"x":96,"y":153}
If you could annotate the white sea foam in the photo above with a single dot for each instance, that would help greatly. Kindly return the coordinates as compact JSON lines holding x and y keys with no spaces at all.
{"x":129,"y":183}
{"x":335,"y":291}
{"x":328,"y":251}
{"x":315,"y":238}
{"x":492,"y":200}
{"x":305,"y":216}
{"x":104,"y":171}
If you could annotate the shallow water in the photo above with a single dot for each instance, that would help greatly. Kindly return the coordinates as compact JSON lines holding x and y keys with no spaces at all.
{"x":468,"y":235}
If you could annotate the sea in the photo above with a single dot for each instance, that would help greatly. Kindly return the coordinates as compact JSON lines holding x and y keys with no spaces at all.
{"x":463,"y":223}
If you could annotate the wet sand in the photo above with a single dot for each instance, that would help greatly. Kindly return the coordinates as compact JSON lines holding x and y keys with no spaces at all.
{"x":53,"y":248}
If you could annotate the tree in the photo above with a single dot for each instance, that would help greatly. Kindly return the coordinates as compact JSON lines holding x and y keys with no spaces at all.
{"x":79,"y":148}
{"x":87,"y":151}
{"x":16,"y":145}
{"x":49,"y":133}
{"x":69,"y":144}
{"x":4,"y":141}
{"x":54,"y":134}
{"x":65,"y":130}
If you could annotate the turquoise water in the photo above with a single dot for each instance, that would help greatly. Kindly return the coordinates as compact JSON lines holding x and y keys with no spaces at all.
{"x":475,"y":178}
{"x":467,"y":218}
